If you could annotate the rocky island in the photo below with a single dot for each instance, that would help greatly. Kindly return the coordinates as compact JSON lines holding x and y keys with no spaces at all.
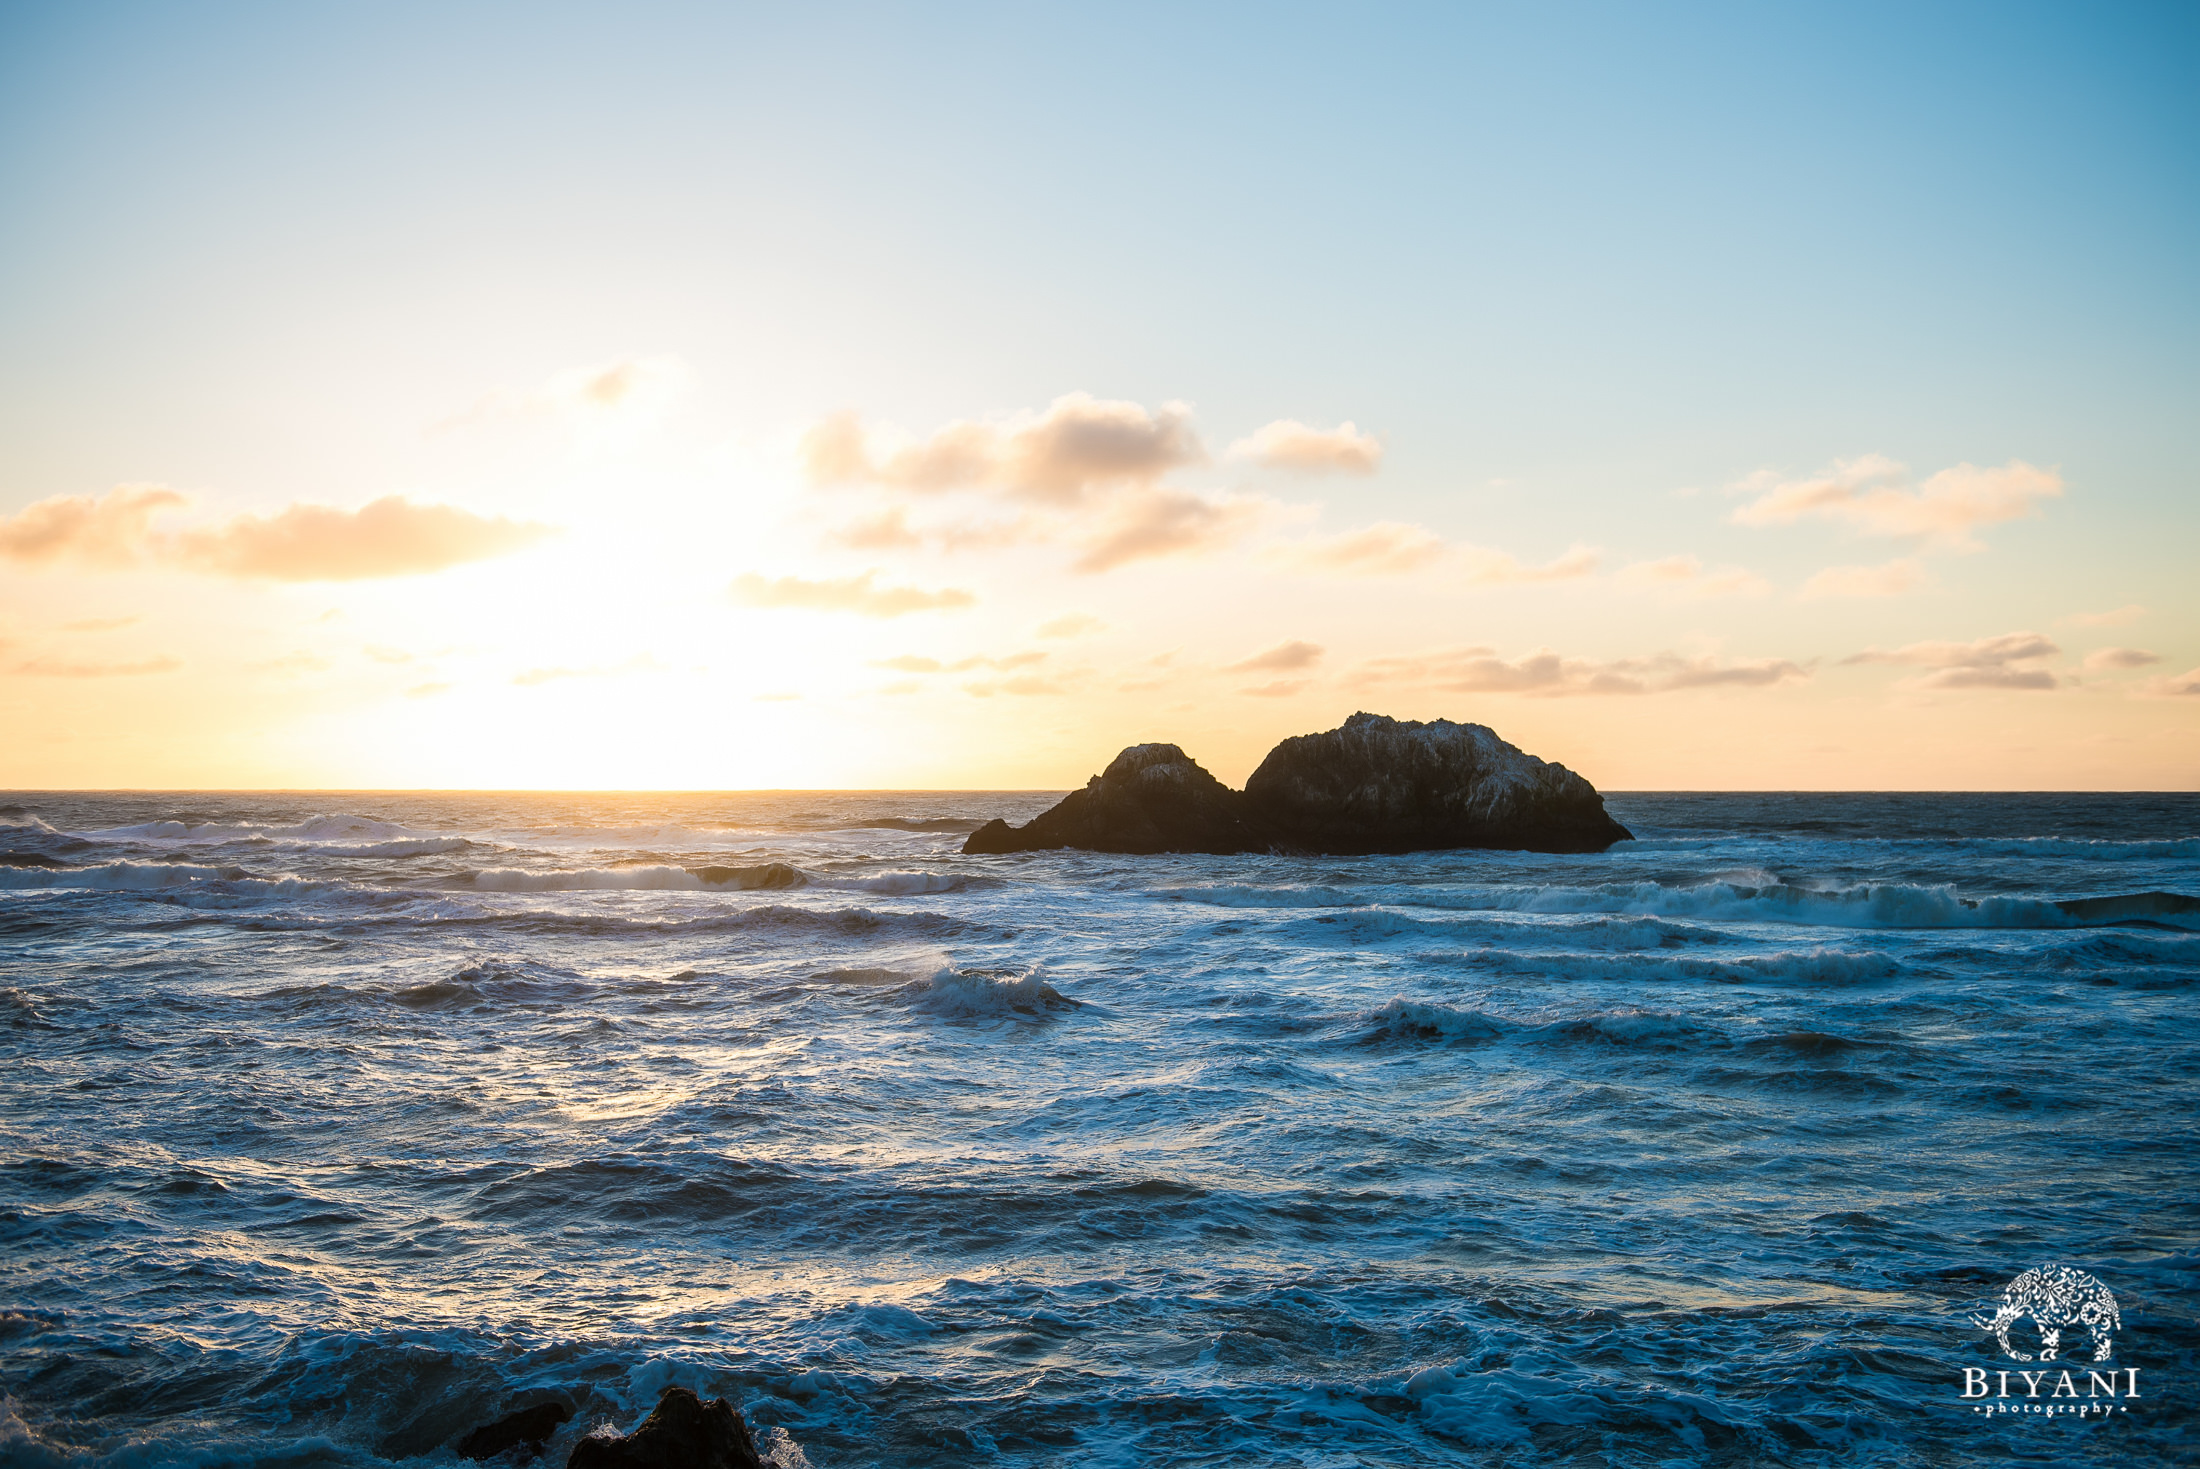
{"x":1374,"y":784}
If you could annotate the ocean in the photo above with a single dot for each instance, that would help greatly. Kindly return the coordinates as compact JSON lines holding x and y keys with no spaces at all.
{"x":337,"y":1125}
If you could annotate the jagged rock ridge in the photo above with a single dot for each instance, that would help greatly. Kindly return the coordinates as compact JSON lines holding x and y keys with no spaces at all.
{"x":1375,"y":784}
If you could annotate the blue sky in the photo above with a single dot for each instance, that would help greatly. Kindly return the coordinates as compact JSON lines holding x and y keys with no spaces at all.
{"x":1582,"y":270}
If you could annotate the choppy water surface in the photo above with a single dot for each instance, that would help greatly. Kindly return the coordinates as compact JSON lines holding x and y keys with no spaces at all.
{"x":335,"y":1126}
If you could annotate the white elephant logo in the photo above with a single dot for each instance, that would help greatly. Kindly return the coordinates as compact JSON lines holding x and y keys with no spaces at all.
{"x":2055,"y":1296}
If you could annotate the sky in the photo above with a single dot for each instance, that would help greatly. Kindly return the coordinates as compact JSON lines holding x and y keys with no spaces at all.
{"x":733,"y":397}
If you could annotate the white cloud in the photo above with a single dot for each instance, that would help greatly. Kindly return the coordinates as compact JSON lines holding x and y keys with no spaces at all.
{"x":856,"y":594}
{"x":1891,"y":580}
{"x":1686,"y":576}
{"x":1479,"y":670}
{"x":110,"y":530}
{"x":65,"y":668}
{"x":2181,"y":686}
{"x":1153,"y":522}
{"x":2100,"y":660}
{"x":387,"y":537}
{"x":1071,"y":625}
{"x":626,"y":389}
{"x":1080,"y":443}
{"x":1397,"y":548}
{"x":1289,"y":444}
{"x":2010,"y":661}
{"x":1873,"y":495}
{"x":1283,"y":657}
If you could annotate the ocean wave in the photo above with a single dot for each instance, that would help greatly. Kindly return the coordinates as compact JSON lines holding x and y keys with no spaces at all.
{"x":973,"y":994}
{"x":121,"y":876}
{"x":941,"y":824}
{"x":314,"y":829}
{"x":1815,"y":966}
{"x":901,"y":884}
{"x":634,"y":879}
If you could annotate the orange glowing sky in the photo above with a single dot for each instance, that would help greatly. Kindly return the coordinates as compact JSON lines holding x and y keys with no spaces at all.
{"x":734,"y":400}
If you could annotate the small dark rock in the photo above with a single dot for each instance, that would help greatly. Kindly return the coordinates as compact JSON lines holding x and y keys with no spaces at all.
{"x":527,"y":1429}
{"x":768,"y":875}
{"x":681,"y":1432}
{"x":1151,"y":798}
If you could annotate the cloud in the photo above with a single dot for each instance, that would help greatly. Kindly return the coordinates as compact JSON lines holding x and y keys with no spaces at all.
{"x":428,"y":690}
{"x":1989,"y":663}
{"x":2121,"y":617}
{"x":1485,"y":567}
{"x":536,"y":677}
{"x":1386,"y":548}
{"x":913,"y":663}
{"x":1479,"y":670}
{"x":1282,"y":688}
{"x":1289,"y":444}
{"x":389,"y":537}
{"x":100,"y":624}
{"x":1396,"y":548}
{"x":1282,"y":658}
{"x":1891,"y":580}
{"x":2183,"y":685}
{"x":1056,"y":457}
{"x":1685,"y":576}
{"x":847,"y":594}
{"x":386,"y":537}
{"x":1157,"y":522}
{"x":888,"y":530}
{"x":1873,"y":495}
{"x":110,"y":530}
{"x":2102,"y":659}
{"x":1071,"y":625}
{"x":625,"y":389}
{"x":1027,"y":686}
{"x":61,"y":668}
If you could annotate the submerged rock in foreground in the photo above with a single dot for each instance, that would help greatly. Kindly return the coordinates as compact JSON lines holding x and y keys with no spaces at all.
{"x":1375,"y":784}
{"x":682,"y":1432}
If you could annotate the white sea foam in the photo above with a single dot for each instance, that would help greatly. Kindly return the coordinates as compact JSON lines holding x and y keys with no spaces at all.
{"x":965,"y":993}
{"x":136,"y":877}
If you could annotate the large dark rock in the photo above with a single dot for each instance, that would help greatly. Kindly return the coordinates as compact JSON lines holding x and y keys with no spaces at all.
{"x":1374,"y":785}
{"x":525,"y":1430}
{"x":1387,"y":785}
{"x":682,"y":1432}
{"x":1151,"y":798}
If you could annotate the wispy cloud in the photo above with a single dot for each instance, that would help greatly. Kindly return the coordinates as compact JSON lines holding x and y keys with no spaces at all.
{"x":100,"y":624}
{"x":111,"y":530}
{"x":1874,"y":495}
{"x":1479,"y":670}
{"x":914,"y":663}
{"x":1282,"y":658}
{"x":66,"y":668}
{"x":2183,"y":685}
{"x":2101,"y":660}
{"x":1024,"y":686}
{"x":1071,"y":625}
{"x":1289,"y":444}
{"x":537,"y":677}
{"x":1396,"y":548}
{"x":1687,"y":577}
{"x":626,"y":388}
{"x":858,"y":594}
{"x":1079,"y":443}
{"x":1157,"y":522}
{"x":1891,"y":580}
{"x":2121,"y":617}
{"x":1282,"y":688}
{"x":2010,"y":661}
{"x":387,"y":537}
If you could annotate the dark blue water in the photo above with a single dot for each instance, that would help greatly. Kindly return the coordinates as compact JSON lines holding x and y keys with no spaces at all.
{"x":336,"y":1125}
